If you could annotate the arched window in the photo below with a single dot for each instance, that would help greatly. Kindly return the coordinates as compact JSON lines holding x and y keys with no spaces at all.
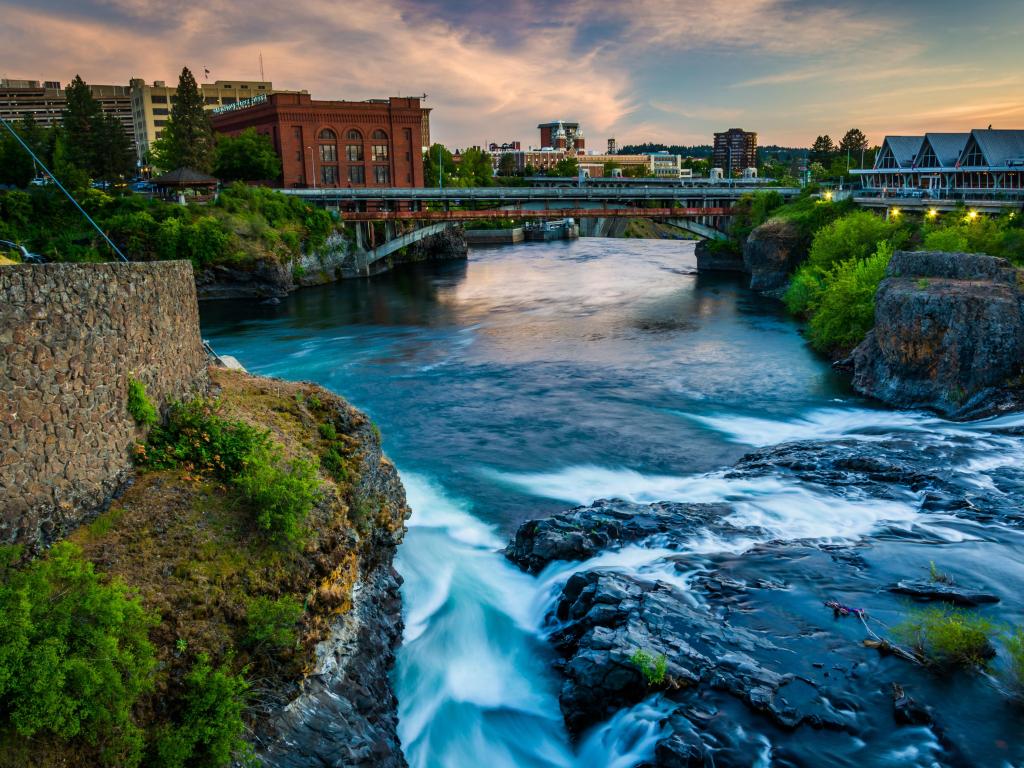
{"x":379,"y":135}
{"x":328,"y":149}
{"x":354,"y":135}
{"x":327,"y":133}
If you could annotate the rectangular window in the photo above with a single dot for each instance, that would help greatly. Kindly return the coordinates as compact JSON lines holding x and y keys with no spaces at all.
{"x":159,"y":123}
{"x":357,"y":174}
{"x":328,"y":153}
{"x":158,"y":99}
{"x":354,"y":153}
{"x":160,"y":110}
{"x":298,"y":155}
{"x":408,"y":135}
{"x":211,"y":100}
{"x":382,"y":174}
{"x":379,"y":153}
{"x":229,"y":100}
{"x":328,"y":174}
{"x":297,"y":133}
{"x":262,"y":87}
{"x":408,"y":156}
{"x":244,"y":87}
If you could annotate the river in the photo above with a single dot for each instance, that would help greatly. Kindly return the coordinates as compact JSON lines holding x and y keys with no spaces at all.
{"x":539,"y":376}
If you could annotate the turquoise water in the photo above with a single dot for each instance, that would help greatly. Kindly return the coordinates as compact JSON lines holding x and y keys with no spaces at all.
{"x":530,"y":378}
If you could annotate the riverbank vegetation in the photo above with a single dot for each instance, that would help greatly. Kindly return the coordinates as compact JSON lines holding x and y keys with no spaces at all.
{"x":244,"y":225}
{"x":848,"y":250}
{"x":192,"y":607}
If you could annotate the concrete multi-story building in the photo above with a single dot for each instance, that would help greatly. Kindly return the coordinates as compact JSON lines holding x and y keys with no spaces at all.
{"x":375,"y":143}
{"x":151,"y":104}
{"x":45,"y":101}
{"x":734,"y":151}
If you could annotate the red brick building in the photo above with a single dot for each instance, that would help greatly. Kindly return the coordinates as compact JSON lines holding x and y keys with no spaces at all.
{"x":376,"y":143}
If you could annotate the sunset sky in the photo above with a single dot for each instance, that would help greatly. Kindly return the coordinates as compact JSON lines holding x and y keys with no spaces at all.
{"x":659,"y":70}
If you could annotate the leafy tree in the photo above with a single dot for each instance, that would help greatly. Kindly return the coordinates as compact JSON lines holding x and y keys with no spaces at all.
{"x":507,"y":165}
{"x":853,"y":141}
{"x":74,"y":654}
{"x":822,"y":150}
{"x":436,"y":159}
{"x":474,"y":169}
{"x":567,"y":166}
{"x":187,"y":140}
{"x":611,"y":166}
{"x":250,"y":156}
{"x":530,"y":170}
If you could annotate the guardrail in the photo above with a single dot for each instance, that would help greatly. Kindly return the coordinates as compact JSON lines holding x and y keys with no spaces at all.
{"x":516,"y":194}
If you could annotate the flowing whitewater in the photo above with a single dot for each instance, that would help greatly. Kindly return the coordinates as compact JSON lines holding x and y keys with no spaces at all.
{"x":541,"y":376}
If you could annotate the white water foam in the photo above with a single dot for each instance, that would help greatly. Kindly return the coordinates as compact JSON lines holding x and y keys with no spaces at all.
{"x":472,"y":676}
{"x":786,"y":509}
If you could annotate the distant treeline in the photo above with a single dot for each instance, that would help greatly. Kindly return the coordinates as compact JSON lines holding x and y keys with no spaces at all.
{"x":704,"y":150}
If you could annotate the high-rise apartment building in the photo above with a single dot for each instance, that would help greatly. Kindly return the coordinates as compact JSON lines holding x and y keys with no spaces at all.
{"x":735,"y":150}
{"x":45,"y":101}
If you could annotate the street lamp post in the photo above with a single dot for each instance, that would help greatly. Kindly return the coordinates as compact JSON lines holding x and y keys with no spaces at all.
{"x":312,"y":164}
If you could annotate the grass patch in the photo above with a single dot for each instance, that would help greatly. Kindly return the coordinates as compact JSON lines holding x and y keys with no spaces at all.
{"x":1014,"y":643}
{"x":139,"y":405}
{"x":652,"y":667}
{"x":949,"y":637}
{"x":271,"y":622}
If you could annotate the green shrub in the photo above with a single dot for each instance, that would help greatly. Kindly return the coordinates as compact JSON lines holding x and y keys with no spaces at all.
{"x":196,"y":436}
{"x":281,"y":497}
{"x":804,"y":291}
{"x":271,"y":623}
{"x":204,"y":242}
{"x":653,"y":669}
{"x":845,"y":308}
{"x":328,"y":431}
{"x":949,"y":239}
{"x":948,"y":636}
{"x":209,"y":731}
{"x":139,"y":404}
{"x":74,"y":654}
{"x":853,"y":236}
{"x":195,"y":433}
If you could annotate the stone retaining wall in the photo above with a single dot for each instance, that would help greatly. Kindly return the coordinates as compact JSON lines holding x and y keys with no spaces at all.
{"x":71,"y":335}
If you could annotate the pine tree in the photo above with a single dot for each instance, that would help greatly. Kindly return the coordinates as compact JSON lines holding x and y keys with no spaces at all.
{"x":114,"y":157}
{"x":82,"y":123}
{"x":853,"y":141}
{"x":822,"y":150}
{"x":187,"y":139}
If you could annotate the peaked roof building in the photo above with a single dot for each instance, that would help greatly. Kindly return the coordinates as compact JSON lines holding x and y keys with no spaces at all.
{"x":985,"y":163}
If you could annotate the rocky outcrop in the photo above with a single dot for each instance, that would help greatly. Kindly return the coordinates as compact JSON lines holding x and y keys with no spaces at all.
{"x":716,"y":257}
{"x":771,"y":253}
{"x":271,"y":278}
{"x":449,"y":244}
{"x":949,"y":331}
{"x":749,"y":645}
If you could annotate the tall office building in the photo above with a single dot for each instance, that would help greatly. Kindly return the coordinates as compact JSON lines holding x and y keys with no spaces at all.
{"x":735,"y":150}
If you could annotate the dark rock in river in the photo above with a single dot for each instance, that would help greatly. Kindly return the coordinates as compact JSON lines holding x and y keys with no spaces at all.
{"x":948,"y":327}
{"x":771,"y":253}
{"x":583,"y":532}
{"x":948,"y":593}
{"x":715,"y":258}
{"x":449,"y":244}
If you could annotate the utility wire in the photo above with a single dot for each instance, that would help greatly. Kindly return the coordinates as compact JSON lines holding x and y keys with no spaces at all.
{"x":96,"y":226}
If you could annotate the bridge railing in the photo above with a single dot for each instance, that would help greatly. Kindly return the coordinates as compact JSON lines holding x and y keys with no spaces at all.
{"x":516,"y":194}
